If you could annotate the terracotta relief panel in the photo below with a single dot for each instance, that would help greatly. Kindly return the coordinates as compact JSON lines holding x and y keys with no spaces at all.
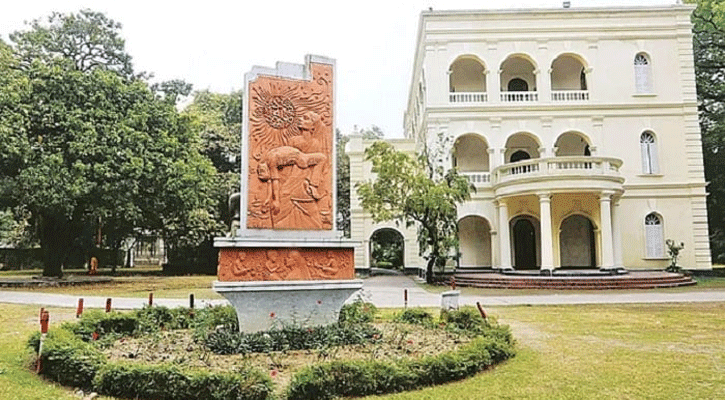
{"x":290,"y":152}
{"x":284,"y":264}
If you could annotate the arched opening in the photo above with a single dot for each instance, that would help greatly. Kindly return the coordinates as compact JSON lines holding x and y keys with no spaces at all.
{"x":577,"y":245}
{"x":387,"y":247}
{"x":521,"y":146}
{"x":568,"y":73}
{"x":517,"y":85}
{"x":526,"y":242}
{"x":467,"y":74}
{"x":470,"y":153}
{"x":519,"y":155}
{"x":474,"y":237}
{"x":518,"y":67}
{"x":572,"y":144}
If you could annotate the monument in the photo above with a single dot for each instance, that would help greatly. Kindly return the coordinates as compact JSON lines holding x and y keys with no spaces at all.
{"x":286,"y":264}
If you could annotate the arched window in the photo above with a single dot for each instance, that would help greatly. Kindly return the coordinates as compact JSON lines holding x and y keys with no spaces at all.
{"x":642,"y":74}
{"x":518,"y":85}
{"x":654,"y":236}
{"x":648,"y":146}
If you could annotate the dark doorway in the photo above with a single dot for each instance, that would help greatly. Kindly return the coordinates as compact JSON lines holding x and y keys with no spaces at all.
{"x":524,"y":244}
{"x":387,"y":246}
{"x":519,"y":155}
{"x":576,"y":243}
{"x":518,"y":85}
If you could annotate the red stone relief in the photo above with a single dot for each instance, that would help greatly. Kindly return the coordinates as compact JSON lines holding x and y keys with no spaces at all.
{"x":284,"y":264}
{"x":290,"y":152}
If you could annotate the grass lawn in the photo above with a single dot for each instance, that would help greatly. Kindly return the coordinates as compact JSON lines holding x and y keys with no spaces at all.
{"x":671,"y":351}
{"x":674,"y":351}
{"x":143,"y":281}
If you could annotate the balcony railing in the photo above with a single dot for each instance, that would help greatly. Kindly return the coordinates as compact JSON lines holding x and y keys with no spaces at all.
{"x":478,"y":178}
{"x":468,"y":97}
{"x":572,"y":165}
{"x":569,"y":95}
{"x":519,"y":96}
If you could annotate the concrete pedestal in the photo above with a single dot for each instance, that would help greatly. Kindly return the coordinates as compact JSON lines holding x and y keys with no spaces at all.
{"x":264,"y":305}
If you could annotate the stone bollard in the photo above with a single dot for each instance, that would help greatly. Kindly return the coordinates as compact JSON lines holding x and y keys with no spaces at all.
{"x":449,"y":300}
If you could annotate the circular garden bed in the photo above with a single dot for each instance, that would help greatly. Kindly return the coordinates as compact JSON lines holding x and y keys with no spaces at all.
{"x":160,"y":353}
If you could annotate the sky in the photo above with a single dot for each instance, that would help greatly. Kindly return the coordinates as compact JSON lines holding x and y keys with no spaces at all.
{"x":213,"y":43}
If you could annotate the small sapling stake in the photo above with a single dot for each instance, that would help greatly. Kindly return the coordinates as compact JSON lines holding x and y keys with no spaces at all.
{"x":44,"y":319}
{"x":151,"y":299}
{"x":480,"y":309}
{"x":405,"y":297}
{"x":108,"y":305}
{"x":191,"y":300}
{"x":79,"y":310}
{"x":453,"y":283}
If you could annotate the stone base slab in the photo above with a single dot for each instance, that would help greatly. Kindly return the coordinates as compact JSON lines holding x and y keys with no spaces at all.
{"x":265,"y":305}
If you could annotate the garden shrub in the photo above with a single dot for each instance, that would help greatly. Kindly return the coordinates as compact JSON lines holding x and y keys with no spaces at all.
{"x":415,"y":316}
{"x":152,"y":319}
{"x":357,"y":312}
{"x":225,"y":341}
{"x":169,"y":382}
{"x":100,"y":323}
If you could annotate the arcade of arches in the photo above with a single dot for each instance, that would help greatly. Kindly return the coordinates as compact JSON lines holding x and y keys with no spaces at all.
{"x":544,"y":231}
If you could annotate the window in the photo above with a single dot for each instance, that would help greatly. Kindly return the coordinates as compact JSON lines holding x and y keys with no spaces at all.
{"x":648,"y":146}
{"x":518,"y":85}
{"x":654,"y":236}
{"x":642,"y":74}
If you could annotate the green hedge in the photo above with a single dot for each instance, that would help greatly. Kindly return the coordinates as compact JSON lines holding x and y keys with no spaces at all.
{"x":71,"y":358}
{"x":169,"y":382}
{"x":67,"y":359}
{"x":363,"y":378}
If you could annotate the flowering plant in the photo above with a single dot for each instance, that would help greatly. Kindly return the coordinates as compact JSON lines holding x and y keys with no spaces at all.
{"x":673,"y":250}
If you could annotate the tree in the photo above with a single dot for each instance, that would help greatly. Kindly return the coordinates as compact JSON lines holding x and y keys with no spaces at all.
{"x":709,"y":50}
{"x":416,"y":191}
{"x":87,"y":40}
{"x":217,"y":119}
{"x":85,"y":145}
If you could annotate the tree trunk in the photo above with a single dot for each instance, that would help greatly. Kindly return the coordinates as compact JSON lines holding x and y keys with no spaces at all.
{"x":55,"y":241}
{"x":429,"y":270}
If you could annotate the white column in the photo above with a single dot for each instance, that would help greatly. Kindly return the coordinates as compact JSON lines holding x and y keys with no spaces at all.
{"x":503,"y":235}
{"x":605,"y":217}
{"x":616,"y":235}
{"x":502,"y":158}
{"x":492,"y":160}
{"x":547,"y":251}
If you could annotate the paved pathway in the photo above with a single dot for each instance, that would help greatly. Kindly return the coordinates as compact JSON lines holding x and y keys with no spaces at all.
{"x":387,"y":291}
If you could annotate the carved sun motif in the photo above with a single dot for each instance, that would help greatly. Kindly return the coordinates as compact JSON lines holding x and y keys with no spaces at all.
{"x":279,"y":112}
{"x":276,"y":107}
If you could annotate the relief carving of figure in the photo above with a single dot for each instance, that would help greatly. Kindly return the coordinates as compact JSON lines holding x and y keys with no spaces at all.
{"x":290,"y":149}
{"x":297,"y":266}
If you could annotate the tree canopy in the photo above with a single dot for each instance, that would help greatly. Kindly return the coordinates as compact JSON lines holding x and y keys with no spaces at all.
{"x":87,"y":40}
{"x":86,"y":144}
{"x":709,"y":50}
{"x":416,"y":191}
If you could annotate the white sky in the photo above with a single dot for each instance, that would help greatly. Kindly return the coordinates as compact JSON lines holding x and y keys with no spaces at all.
{"x":213,"y":43}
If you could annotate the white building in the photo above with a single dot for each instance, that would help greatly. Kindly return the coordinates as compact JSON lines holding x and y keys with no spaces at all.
{"x":578,"y":127}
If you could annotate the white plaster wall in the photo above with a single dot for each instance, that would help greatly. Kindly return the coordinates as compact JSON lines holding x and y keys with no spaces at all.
{"x":612,"y":119}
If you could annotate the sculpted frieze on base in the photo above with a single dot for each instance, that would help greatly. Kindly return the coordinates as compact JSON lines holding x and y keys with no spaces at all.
{"x":285,"y":264}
